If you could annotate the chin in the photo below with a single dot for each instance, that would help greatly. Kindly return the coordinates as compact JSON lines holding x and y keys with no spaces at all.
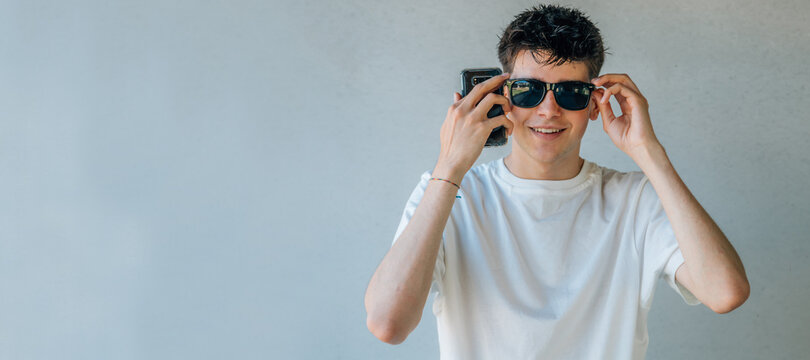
{"x":546,"y":157}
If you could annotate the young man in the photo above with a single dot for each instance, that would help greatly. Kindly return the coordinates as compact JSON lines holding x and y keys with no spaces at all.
{"x":543,"y":254}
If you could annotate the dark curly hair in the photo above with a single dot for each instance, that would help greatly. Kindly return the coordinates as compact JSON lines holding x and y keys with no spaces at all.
{"x":563,"y":34}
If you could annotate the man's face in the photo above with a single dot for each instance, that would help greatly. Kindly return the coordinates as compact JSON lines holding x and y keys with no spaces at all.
{"x":530,"y":146}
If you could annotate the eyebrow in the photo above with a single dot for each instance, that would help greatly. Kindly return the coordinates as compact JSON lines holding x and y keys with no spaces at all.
{"x":565,"y":80}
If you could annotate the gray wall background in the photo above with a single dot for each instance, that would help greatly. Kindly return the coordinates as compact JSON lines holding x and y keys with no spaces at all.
{"x":204,"y":179}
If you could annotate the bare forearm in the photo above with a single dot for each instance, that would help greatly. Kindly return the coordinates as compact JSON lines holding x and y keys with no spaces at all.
{"x":399,"y":287}
{"x":713,"y":264}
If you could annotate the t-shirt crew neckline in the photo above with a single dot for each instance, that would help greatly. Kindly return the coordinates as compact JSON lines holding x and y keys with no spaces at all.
{"x":578,"y":182}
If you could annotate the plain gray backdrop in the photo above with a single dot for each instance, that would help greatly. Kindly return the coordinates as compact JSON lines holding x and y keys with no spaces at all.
{"x":220,"y":179}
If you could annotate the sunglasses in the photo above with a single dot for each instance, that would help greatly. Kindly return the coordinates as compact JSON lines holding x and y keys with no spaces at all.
{"x":570,"y":95}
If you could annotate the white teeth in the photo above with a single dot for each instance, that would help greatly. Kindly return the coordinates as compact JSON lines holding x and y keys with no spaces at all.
{"x":547,"y":131}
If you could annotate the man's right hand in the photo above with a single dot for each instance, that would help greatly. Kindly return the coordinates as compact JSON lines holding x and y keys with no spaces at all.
{"x":466,"y":128}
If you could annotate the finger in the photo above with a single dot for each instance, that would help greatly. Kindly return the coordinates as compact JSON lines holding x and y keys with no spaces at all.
{"x":481,"y":90}
{"x":486,"y":104}
{"x":607,"y":80}
{"x":624,"y":103}
{"x":501,"y":120}
{"x":614,"y":90}
{"x":610,"y":79}
{"x":621,"y":98}
{"x":508,"y":116}
{"x":623,"y":95}
{"x":456,"y":97}
{"x":596,"y":95}
{"x":606,"y":111}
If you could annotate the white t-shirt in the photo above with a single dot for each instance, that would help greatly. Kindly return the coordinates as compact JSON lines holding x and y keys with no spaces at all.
{"x":550,"y":269}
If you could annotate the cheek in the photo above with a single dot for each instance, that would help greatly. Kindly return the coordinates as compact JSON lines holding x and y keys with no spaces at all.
{"x":519,"y":116}
{"x":582,"y":125}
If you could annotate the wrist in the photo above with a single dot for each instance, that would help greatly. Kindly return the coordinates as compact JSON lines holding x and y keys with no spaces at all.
{"x":450,"y":173}
{"x":649,"y":154}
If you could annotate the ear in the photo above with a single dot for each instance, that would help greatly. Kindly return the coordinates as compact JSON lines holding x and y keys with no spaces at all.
{"x":593,"y":111}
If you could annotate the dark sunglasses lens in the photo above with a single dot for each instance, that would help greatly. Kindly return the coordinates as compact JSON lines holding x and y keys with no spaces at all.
{"x":524,"y":94}
{"x":572,"y":96}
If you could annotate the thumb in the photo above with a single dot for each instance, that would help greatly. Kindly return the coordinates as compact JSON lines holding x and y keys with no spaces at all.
{"x":456,"y":96}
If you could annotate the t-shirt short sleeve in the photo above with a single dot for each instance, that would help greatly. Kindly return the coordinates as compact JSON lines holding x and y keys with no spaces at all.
{"x":659,"y":248}
{"x":407,"y":214}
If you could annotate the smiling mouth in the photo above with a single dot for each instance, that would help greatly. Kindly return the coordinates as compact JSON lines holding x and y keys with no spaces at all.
{"x":547,"y":131}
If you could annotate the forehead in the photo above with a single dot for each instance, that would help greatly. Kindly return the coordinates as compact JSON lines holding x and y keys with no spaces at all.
{"x":527,"y":67}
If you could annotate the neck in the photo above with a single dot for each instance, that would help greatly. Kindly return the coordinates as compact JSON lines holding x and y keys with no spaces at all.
{"x":528,"y":168}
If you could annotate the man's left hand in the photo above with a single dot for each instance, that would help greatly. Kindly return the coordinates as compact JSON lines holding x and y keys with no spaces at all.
{"x":632,"y":131}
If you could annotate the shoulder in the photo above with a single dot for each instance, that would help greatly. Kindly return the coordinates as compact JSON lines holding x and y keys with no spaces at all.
{"x":482,"y":172}
{"x":478,"y":175}
{"x":635,"y":189}
{"x":481,"y":176}
{"x":620,"y":178}
{"x":625,"y":183}
{"x":480,"y":179}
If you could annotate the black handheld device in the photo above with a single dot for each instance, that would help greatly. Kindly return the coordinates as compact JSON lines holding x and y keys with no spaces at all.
{"x":472,"y":77}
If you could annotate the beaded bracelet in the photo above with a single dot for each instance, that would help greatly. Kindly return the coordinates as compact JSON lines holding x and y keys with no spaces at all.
{"x":454,"y":184}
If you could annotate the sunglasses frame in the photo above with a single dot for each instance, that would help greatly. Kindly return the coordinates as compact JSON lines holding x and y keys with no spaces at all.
{"x":548,"y":86}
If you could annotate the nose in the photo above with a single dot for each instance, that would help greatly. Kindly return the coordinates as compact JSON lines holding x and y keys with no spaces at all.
{"x":548,"y":107}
